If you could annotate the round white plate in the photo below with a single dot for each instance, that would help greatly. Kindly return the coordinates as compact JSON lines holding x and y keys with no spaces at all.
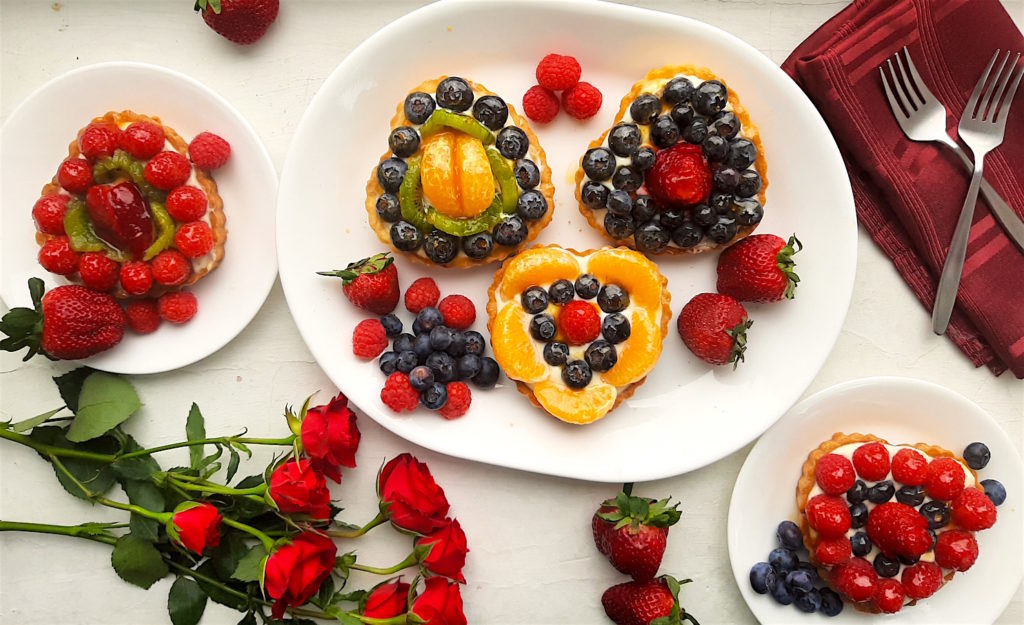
{"x":34,"y":141}
{"x":900,"y":410}
{"x":688,"y":414}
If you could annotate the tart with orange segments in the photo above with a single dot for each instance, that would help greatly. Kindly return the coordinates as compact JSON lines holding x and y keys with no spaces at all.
{"x":464,"y":181}
{"x":578,"y":331}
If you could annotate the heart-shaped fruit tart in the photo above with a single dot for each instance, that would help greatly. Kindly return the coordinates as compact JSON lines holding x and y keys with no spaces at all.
{"x":578,"y":331}
{"x":464,"y":181}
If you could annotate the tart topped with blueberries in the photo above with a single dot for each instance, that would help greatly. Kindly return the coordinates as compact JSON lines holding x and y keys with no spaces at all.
{"x":464,"y":181}
{"x":681,"y":170}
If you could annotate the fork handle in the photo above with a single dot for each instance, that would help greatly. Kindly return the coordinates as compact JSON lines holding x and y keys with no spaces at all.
{"x":952,"y":269}
{"x":1012,"y":224}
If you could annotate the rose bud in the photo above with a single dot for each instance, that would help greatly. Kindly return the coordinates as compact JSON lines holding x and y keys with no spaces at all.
{"x":387,"y":600}
{"x":294,"y":571}
{"x":409,"y":496}
{"x":439,"y":604}
{"x":195,"y":525}
{"x":444,"y":551}
{"x":295,"y":488}
{"x":330,"y":437}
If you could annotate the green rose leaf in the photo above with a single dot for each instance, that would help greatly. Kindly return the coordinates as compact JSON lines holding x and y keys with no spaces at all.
{"x":228,"y":553}
{"x":185,"y":602}
{"x":249,"y":567}
{"x":138,"y":468}
{"x":344,"y":618}
{"x":250,"y":619}
{"x":97,"y":477}
{"x":137,"y":561}
{"x":105,"y":402}
{"x":28,"y":424}
{"x":146,"y":495}
{"x":232,"y":465}
{"x":218,"y":594}
{"x":69,"y":386}
{"x":195,"y":430}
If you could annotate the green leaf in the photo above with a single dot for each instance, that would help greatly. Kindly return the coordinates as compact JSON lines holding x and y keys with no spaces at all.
{"x":28,"y":424}
{"x":105,"y":402}
{"x":232,"y":464}
{"x":250,"y":619}
{"x":146,"y":495}
{"x":185,"y":602}
{"x":323,"y":596}
{"x":226,"y":556}
{"x":248,"y":569}
{"x":137,"y":562}
{"x":195,"y":430}
{"x":138,"y":468}
{"x":344,"y":618}
{"x":216,"y":593}
{"x":249,"y":482}
{"x":69,"y":386}
{"x":98,"y":477}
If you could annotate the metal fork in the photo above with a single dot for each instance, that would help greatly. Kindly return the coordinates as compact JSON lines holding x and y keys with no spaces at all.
{"x":981,"y":127}
{"x":923,"y":118}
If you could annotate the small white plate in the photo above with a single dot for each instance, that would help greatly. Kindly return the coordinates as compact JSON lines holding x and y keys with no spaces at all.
{"x":688,"y":414}
{"x":900,"y":410}
{"x":34,"y":141}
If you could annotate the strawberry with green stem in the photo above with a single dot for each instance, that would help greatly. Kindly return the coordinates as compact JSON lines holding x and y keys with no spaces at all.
{"x":370,"y":283}
{"x":653,"y":602}
{"x":241,"y":21}
{"x":759,"y":268}
{"x":633,"y":531}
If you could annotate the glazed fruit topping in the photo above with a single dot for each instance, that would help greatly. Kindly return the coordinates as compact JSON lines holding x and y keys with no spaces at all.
{"x":579,"y":322}
{"x":956,"y":549}
{"x":945,"y":479}
{"x":921,"y":580}
{"x":833,"y":551}
{"x":177,"y":306}
{"x":167,"y":170}
{"x":121,"y":216}
{"x":418,"y":107}
{"x":142,"y":140}
{"x":75,"y":175}
{"x":48,"y":213}
{"x":56,"y":256}
{"x":909,"y":467}
{"x":99,"y":140}
{"x":171,"y":268}
{"x":828,"y":515}
{"x":972,"y":510}
{"x":889,"y":596}
{"x":898,"y":530}
{"x":680,"y":177}
{"x":455,"y":94}
{"x":834,"y":474}
{"x":491,"y":111}
{"x":856,"y":579}
{"x":186,"y":203}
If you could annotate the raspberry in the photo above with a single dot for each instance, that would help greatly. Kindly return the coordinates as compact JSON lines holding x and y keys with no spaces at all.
{"x":99,"y":141}
{"x":171,"y":268}
{"x":136,"y":278}
{"x":921,"y":580}
{"x":56,"y":256}
{"x":398,"y":394}
{"x":871,"y":461}
{"x":369,"y":339}
{"x":48,"y":213}
{"x":459,"y":399}
{"x":558,"y":72}
{"x":945,"y":479}
{"x":208,"y":151}
{"x":579,"y":322}
{"x":186,"y":203}
{"x":194,"y":239}
{"x":898,"y":530}
{"x":582,"y":101}
{"x":834,"y":474}
{"x":909,"y":467}
{"x":972,"y":510}
{"x":889,"y":596}
{"x":856,"y":579}
{"x":956,"y":549}
{"x":833,"y":551}
{"x":681,"y":176}
{"x":142,"y":140}
{"x":540,"y":104}
{"x":167,"y":170}
{"x":422,"y":293}
{"x":458,"y":311}
{"x":828,"y":515}
{"x":98,"y":272}
{"x":177,"y":306}
{"x":143,"y":316}
{"x":75,"y":175}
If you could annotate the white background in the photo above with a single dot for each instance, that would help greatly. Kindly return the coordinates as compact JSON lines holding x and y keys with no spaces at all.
{"x":532,"y":559}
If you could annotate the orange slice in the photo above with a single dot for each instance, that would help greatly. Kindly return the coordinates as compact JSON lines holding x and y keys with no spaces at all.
{"x":456,"y":174}
{"x":576,"y":406}
{"x":513,"y":347}
{"x":539,"y":265}
{"x":632,"y":271}
{"x":638,"y":354}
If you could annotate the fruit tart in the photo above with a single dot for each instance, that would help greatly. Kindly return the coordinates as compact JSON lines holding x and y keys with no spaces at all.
{"x":888,"y":525}
{"x":681,"y":170}
{"x":128,"y":212}
{"x":578,"y":332}
{"x":464,"y":181}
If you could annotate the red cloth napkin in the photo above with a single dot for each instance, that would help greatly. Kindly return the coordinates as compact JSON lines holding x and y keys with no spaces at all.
{"x":908,"y":194}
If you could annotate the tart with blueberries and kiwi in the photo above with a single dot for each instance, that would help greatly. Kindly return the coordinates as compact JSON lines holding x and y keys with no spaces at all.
{"x":578,"y":332}
{"x":464,"y":181}
{"x":681,"y":170}
{"x":128,"y":211}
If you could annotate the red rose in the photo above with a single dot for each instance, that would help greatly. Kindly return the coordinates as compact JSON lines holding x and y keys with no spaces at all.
{"x":294,"y":571}
{"x":387,"y":600}
{"x":195,"y":525}
{"x":330,"y":437}
{"x":409,"y":496}
{"x":445,"y":551}
{"x":296,"y":488}
{"x":440,"y":603}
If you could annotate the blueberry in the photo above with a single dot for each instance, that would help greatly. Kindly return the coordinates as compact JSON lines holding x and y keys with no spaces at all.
{"x":612,"y":298}
{"x":388,"y":362}
{"x":434,"y":396}
{"x":715,"y":148}
{"x":650,"y":237}
{"x":454,"y":94}
{"x":627,"y":178}
{"x":645,"y":108}
{"x":780,"y":593}
{"x":725,"y":125}
{"x":442,"y":365}
{"x":618,"y":227}
{"x":587,"y":286}
{"x":881,"y":492}
{"x":742,"y":154}
{"x":468,"y":366}
{"x":809,"y":601}
{"x":598,"y":163}
{"x":664,"y":132}
{"x":426,"y":320}
{"x":418,"y":107}
{"x":478,"y":245}
{"x":405,"y":236}
{"x":421,"y":377}
{"x":576,"y":374}
{"x":704,"y":215}
{"x":687,"y":235}
{"x":625,"y":139}
{"x":908,"y":560}
{"x":392,"y":325}
{"x":644,"y":208}
{"x":782,"y":560}
{"x":748,"y":211}
{"x":556,"y":354}
{"x":511,"y":231}
{"x":644,"y":158}
{"x":677,"y":90}
{"x":441,"y":247}
{"x":858,"y":515}
{"x":441,"y":338}
{"x":858,"y":492}
{"x":995,"y":491}
{"x":977,"y":455}
{"x":789,"y":536}
{"x":762,"y":577}
{"x":512,"y":142}
{"x":810,"y":569}
{"x":936,"y":513}
{"x":696,"y":131}
{"x":561,"y":292}
{"x":723,"y":230}
{"x":799,"y":581}
{"x":406,"y":361}
{"x":488,"y":375}
{"x":683,"y":114}
{"x":458,"y":345}
{"x":491,"y":111}
{"x":726,"y":179}
{"x":390,"y":173}
{"x":527,"y":173}
{"x":710,"y":97}
{"x":912,"y":496}
{"x":421,"y":347}
{"x":619,"y":203}
{"x":671,"y":218}
{"x":403,"y":343}
{"x":542,"y":327}
{"x":860,"y":544}
{"x":721,"y":202}
{"x":615,"y":328}
{"x":531,"y":205}
{"x":404,"y":141}
{"x":474,"y":342}
{"x":749,"y":184}
{"x":534,"y":300}
{"x":886,"y":566}
{"x":388,"y":207}
{"x":831,"y":602}
{"x":593,"y":194}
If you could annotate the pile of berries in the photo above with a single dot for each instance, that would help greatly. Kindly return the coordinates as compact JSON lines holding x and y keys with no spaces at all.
{"x":790,"y":580}
{"x":558,"y":72}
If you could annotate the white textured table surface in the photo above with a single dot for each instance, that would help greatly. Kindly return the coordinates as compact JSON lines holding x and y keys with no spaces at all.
{"x":532,"y":560}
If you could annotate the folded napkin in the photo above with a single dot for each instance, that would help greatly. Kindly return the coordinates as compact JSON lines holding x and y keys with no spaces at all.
{"x":908,"y":194}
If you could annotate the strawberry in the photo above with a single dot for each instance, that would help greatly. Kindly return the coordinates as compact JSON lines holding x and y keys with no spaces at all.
{"x":643,"y":603}
{"x":240,"y":21}
{"x":601,"y":528}
{"x":68,"y":323}
{"x":680,"y":177}
{"x":370,"y":283}
{"x":636,"y":540}
{"x":714,"y":327}
{"x":759,"y":268}
{"x":898,"y":530}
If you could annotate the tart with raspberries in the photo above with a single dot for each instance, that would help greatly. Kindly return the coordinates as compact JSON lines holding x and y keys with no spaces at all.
{"x":464,"y":181}
{"x":128,"y":212}
{"x":681,"y":170}
{"x":888,"y":525}
{"x":578,"y":332}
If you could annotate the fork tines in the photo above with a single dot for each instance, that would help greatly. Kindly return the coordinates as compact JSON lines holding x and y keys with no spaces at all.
{"x":984,"y":107}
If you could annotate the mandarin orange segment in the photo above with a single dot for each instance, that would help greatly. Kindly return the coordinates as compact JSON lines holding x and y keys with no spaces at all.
{"x":576,"y":406}
{"x":456,"y":175}
{"x":541,"y":265}
{"x":632,"y":271}
{"x":513,"y":347}
{"x":638,"y":354}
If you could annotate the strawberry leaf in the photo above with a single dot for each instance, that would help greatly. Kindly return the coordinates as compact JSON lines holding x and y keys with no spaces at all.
{"x":739,"y":341}
{"x":786,"y":265}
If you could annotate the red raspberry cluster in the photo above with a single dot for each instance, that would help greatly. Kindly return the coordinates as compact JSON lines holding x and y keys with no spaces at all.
{"x":558,"y":72}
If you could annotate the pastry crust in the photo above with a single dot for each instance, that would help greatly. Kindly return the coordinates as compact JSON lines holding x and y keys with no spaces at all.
{"x":760,"y":164}
{"x":546,"y":188}
{"x":621,"y":394}
{"x":206,"y":182}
